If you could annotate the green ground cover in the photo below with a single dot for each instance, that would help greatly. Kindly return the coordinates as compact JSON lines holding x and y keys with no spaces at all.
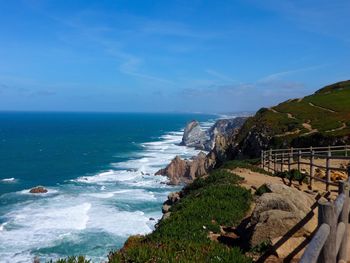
{"x":183,"y":237}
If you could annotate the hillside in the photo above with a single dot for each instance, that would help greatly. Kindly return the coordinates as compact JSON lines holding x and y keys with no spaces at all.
{"x":319,"y":119}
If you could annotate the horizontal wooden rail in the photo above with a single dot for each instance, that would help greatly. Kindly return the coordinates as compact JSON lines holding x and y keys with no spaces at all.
{"x":330,"y":241}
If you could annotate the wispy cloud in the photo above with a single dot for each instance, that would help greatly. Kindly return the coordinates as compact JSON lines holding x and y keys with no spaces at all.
{"x":219,"y":75}
{"x":278,"y":75}
{"x":129,"y":63}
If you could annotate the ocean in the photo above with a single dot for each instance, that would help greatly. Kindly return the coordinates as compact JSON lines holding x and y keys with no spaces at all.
{"x":99,"y":171}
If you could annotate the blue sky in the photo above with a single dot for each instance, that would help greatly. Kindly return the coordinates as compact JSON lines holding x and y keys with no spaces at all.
{"x":161,"y":56}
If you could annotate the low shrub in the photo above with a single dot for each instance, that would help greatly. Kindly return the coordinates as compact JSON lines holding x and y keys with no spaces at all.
{"x":209,"y":203}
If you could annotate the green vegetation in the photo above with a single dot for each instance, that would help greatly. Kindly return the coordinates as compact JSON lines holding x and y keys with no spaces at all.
{"x":73,"y":259}
{"x":209,"y":203}
{"x":293,"y":175}
{"x":316,"y":119}
{"x":262,"y":190}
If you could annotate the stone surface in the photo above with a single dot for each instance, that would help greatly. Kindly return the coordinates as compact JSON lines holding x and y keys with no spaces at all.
{"x":277,"y":212}
{"x":193,"y":135}
{"x":289,"y":246}
{"x":38,"y":190}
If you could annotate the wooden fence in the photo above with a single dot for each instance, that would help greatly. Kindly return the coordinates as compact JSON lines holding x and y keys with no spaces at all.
{"x":330,"y":241}
{"x":276,"y":160}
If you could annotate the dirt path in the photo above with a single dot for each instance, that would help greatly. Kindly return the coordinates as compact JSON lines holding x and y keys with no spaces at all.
{"x":322,"y":108}
{"x":290,"y":116}
{"x":254,"y":179}
{"x":287,"y":133}
{"x":338,"y":129}
{"x":308,"y":126}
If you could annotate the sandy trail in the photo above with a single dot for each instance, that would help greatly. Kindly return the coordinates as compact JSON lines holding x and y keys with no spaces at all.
{"x":322,"y":108}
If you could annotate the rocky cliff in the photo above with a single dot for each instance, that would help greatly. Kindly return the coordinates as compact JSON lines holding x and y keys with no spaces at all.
{"x":216,"y":140}
{"x":194,"y":136}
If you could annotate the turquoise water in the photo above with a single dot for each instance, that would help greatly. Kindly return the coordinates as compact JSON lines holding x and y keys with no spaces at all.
{"x":99,"y":170}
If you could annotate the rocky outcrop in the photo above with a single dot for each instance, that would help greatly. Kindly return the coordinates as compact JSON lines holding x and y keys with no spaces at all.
{"x":278,"y":211}
{"x":217,"y":140}
{"x":38,"y":190}
{"x":223,"y":128}
{"x":194,"y":136}
{"x":181,"y":171}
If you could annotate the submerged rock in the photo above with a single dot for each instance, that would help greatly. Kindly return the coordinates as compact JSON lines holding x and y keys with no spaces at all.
{"x":38,"y":190}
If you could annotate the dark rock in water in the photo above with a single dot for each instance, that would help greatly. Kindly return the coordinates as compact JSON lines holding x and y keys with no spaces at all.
{"x":38,"y":190}
{"x":151,"y":219}
{"x":194,"y":136}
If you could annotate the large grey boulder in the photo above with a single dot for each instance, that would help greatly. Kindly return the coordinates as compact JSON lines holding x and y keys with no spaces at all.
{"x":279,"y":211}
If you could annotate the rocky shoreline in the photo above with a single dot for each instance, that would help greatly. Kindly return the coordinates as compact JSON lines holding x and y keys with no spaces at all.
{"x":215,"y":141}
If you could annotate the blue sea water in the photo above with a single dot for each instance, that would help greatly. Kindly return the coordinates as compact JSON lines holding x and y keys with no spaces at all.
{"x":99,"y":171}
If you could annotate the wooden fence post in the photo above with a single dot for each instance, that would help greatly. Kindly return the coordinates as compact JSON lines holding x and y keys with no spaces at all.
{"x":262,"y":159}
{"x":275,"y":163}
{"x":299,"y":160}
{"x":270,"y":160}
{"x":311,"y":169}
{"x":344,"y":217}
{"x":327,"y":214}
{"x":282,"y":161}
{"x":289,"y":161}
{"x":346,"y":150}
{"x":328,"y":174}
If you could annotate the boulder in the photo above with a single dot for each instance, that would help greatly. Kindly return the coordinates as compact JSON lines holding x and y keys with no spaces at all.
{"x":177,"y":171}
{"x":279,"y":211}
{"x":193,"y":135}
{"x":38,"y":190}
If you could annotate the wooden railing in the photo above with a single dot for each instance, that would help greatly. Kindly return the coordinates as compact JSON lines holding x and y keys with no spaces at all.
{"x":330,"y":241}
{"x":276,"y":160}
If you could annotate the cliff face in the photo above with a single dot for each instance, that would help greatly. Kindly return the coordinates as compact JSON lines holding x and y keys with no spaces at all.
{"x":194,"y":136}
{"x":217,"y":140}
{"x":181,"y":171}
{"x":320,"y":119}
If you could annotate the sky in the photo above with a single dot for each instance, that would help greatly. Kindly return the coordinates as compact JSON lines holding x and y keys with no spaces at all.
{"x":168,"y":56}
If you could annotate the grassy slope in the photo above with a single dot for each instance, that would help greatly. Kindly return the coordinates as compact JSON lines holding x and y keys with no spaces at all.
{"x":335,"y":97}
{"x":208,"y":203}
